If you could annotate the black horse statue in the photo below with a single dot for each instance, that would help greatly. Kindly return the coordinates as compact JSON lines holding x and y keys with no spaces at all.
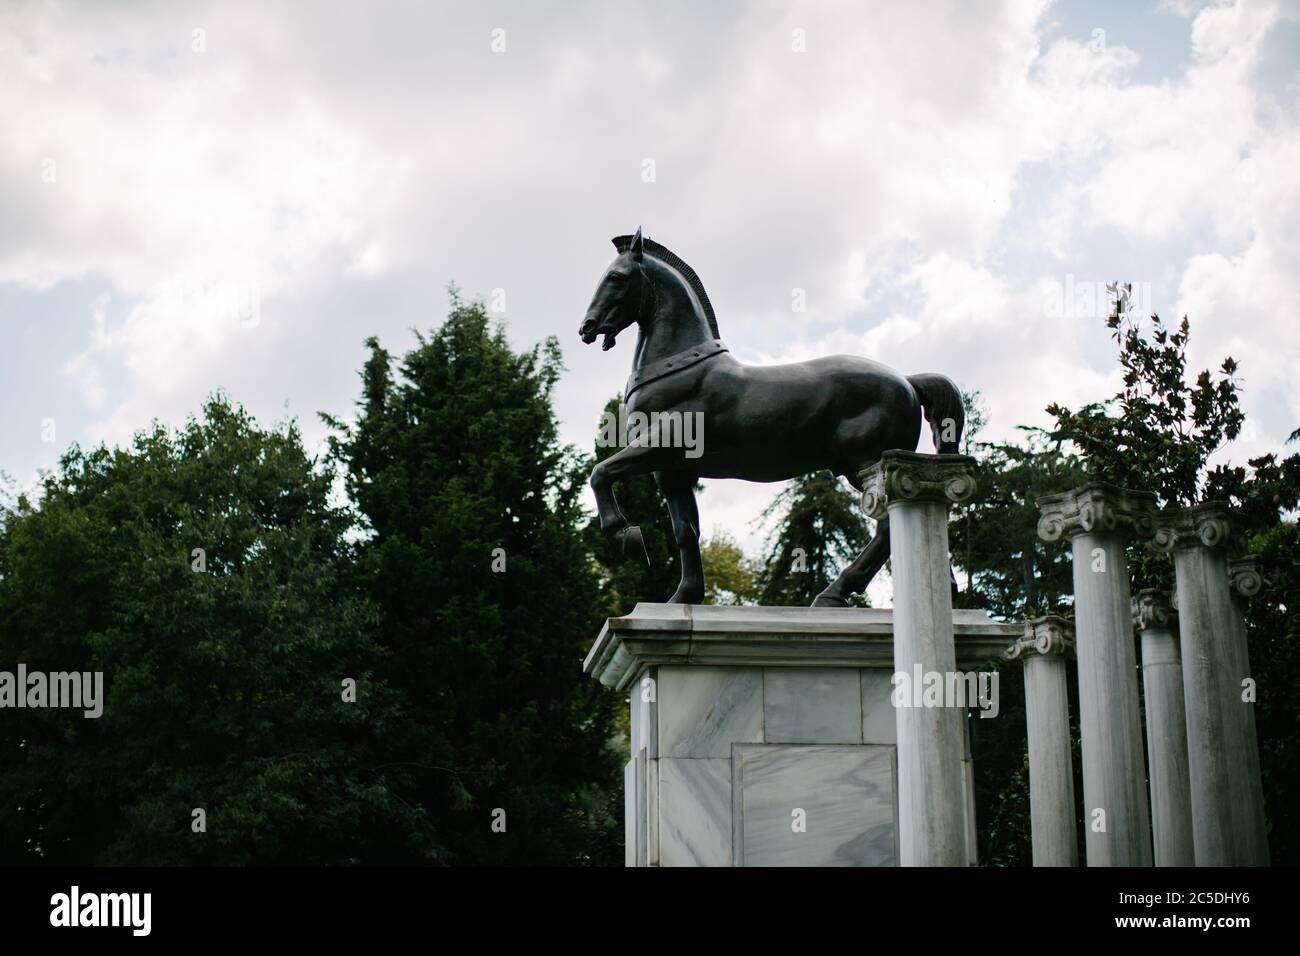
{"x":764,"y":423}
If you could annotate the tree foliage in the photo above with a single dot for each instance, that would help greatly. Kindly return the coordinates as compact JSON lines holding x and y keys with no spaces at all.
{"x":730,"y":577}
{"x":222,"y":685}
{"x":1159,"y":432}
{"x":457,"y":593}
{"x":994,"y":538}
{"x":820,"y":527}
{"x":488,"y":599}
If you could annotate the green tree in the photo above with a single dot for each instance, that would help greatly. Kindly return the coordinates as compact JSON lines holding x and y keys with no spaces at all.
{"x":820,"y":527}
{"x":1159,"y":432}
{"x":994,"y":539}
{"x":203,"y":571}
{"x":489,"y":600}
{"x":729,"y":576}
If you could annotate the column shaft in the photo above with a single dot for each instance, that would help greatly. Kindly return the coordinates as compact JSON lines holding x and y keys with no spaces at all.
{"x":1162,"y":685}
{"x":1223,"y":755}
{"x":915,"y":491}
{"x":930,"y":794}
{"x":1114,"y":778}
{"x":1051,"y":777}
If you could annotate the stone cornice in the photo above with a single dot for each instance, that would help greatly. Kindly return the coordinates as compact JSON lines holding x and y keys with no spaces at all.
{"x":1207,"y":525}
{"x":1153,"y":609}
{"x":906,"y":476}
{"x":1096,"y":507}
{"x":1047,"y":636}
{"x":731,"y":636}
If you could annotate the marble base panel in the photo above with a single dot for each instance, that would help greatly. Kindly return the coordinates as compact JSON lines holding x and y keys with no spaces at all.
{"x":702,"y":711}
{"x":814,"y":805}
{"x":695,"y":812}
{"x":724,"y":757}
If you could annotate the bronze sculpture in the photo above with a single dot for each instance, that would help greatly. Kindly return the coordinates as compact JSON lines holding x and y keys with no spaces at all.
{"x":764,"y":423}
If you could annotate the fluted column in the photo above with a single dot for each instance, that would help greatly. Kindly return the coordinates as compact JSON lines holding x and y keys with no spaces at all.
{"x":1162,"y":685}
{"x":1047,"y":714}
{"x":1097,"y":519}
{"x":915,"y":491}
{"x":1222,"y":752}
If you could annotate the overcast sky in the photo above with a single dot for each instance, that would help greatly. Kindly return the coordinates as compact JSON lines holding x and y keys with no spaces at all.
{"x":932,"y":175}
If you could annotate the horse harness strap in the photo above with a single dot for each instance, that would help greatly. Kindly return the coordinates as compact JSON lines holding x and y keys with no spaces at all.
{"x":673,"y":363}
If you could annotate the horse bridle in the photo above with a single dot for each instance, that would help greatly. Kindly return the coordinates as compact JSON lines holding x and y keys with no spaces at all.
{"x":643,"y":280}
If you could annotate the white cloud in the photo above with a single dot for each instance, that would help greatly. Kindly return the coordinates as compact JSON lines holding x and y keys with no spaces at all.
{"x":924,"y":172}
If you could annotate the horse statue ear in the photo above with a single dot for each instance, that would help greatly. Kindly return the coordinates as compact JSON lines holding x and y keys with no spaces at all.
{"x":638,"y":247}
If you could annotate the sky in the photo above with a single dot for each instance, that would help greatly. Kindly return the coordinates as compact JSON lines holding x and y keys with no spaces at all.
{"x":202,"y":196}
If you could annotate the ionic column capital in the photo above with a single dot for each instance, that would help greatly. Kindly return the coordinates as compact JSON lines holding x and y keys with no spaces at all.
{"x":1244,"y":575}
{"x":1095,"y":507}
{"x":1207,"y":525}
{"x":1152,"y":608}
{"x":1049,"y":636}
{"x":909,"y":476}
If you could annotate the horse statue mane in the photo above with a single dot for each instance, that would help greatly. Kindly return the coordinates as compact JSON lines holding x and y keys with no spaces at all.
{"x":670,"y":258}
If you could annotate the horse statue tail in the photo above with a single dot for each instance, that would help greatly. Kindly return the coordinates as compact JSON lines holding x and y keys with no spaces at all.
{"x":941,"y":401}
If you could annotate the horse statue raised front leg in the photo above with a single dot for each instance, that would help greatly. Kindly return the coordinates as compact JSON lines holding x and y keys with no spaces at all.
{"x":762,"y":423}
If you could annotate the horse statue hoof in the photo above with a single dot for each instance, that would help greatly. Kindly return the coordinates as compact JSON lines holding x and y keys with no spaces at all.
{"x":692,"y":594}
{"x":829,"y":600}
{"x":633,"y":545}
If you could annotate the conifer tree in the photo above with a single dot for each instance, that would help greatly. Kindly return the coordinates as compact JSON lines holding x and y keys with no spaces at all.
{"x":488,"y":598}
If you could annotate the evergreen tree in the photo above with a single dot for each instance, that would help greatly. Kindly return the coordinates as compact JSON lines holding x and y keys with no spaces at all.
{"x":994,"y":537}
{"x":820,"y":528}
{"x":488,"y":598}
{"x":1273,"y":626}
{"x":203,"y":572}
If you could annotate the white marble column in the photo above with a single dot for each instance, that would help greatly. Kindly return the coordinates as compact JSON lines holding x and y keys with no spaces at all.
{"x":1222,"y":752}
{"x":1162,"y":685}
{"x":915,"y":491}
{"x":1097,"y":519}
{"x":1047,"y":716}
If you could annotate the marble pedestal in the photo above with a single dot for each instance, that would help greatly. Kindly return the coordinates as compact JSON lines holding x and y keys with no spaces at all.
{"x":765,"y":736}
